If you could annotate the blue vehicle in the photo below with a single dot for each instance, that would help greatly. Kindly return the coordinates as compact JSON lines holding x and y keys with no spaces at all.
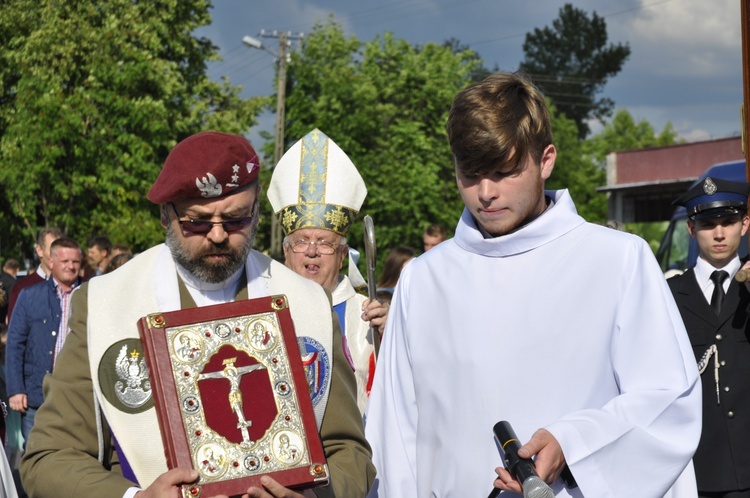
{"x":678,"y":251}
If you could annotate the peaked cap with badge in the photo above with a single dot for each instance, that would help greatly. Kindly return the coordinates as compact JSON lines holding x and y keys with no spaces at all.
{"x":204,"y":165}
{"x":316,"y":185}
{"x":714,"y":197}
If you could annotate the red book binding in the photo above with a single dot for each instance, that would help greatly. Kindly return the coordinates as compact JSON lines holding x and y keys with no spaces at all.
{"x":232,"y":397}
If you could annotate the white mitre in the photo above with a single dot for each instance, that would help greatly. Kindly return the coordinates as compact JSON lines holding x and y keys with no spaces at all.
{"x":316,"y":185}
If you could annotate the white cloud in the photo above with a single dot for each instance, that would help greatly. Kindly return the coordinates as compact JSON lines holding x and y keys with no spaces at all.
{"x":695,"y":37}
{"x":696,"y":135}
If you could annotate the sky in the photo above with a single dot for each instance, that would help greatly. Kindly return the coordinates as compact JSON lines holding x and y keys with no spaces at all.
{"x":684,"y":67}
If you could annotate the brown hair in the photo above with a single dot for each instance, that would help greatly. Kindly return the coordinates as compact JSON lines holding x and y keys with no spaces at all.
{"x":101,"y":242}
{"x":118,"y":261}
{"x":121,"y":249}
{"x":436,"y":230}
{"x":496,"y":122}
{"x":11,"y":264}
{"x":394,"y":262}
{"x":44,"y":232}
{"x":66,"y":242}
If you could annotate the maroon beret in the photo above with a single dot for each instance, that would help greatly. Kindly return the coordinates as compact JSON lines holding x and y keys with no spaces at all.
{"x":209,"y":164}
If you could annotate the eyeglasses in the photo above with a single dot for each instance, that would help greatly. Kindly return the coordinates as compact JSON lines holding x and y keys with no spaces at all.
{"x":203,"y":227}
{"x":323,"y":246}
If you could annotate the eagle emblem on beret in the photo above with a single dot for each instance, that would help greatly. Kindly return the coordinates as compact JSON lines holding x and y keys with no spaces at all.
{"x":208,"y":186}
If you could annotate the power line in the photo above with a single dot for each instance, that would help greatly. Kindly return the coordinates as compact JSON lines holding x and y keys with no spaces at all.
{"x":245,"y":64}
{"x":642,"y":7}
{"x":259,"y":71}
{"x":394,"y":10}
{"x":604,"y":16}
{"x":405,"y":10}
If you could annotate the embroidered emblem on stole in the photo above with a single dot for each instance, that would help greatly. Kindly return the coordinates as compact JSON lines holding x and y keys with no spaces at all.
{"x":317,"y":366}
{"x":123,"y":377}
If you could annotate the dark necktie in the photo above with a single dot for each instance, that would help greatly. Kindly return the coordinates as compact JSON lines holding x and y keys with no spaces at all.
{"x":717,"y":297}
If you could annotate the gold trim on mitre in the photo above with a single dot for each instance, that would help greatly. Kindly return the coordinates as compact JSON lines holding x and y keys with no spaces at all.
{"x":316,"y":185}
{"x":335,"y":218}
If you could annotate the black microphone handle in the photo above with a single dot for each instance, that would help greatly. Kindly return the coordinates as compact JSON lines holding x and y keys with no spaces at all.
{"x":520,"y":468}
{"x":504,"y":432}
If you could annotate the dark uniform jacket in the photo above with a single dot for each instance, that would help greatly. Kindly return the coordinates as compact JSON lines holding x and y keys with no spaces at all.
{"x":722,"y":461}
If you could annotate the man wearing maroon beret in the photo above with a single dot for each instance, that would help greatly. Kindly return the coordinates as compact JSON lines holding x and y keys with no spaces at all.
{"x":97,"y":432}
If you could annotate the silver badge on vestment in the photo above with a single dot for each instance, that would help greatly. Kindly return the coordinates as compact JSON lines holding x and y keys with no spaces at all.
{"x":133,"y":388}
{"x":709,"y":187}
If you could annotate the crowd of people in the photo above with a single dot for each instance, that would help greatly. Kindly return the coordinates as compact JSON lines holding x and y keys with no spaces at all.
{"x":617,"y":382}
{"x":34,"y":310}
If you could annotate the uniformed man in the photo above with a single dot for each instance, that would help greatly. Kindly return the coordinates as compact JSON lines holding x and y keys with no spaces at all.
{"x":96,"y":438}
{"x":714,"y":307}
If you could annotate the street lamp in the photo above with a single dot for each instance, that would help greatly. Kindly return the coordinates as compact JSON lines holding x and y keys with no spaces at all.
{"x":278,"y":151}
{"x":252,"y":42}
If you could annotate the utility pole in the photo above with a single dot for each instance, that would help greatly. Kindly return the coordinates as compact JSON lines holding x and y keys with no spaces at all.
{"x":282,"y":58}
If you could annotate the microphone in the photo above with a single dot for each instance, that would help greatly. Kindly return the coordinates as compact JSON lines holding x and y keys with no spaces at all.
{"x":521,"y":468}
{"x":742,"y":275}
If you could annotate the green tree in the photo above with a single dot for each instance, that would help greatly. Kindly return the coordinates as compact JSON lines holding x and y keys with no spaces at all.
{"x":571,"y":62}
{"x":575,"y":170}
{"x":385,"y":104}
{"x":93,"y":97}
{"x":623,"y":133}
{"x":479,"y":72}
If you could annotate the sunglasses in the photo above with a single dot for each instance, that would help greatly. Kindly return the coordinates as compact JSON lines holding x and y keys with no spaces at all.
{"x":191,"y":226}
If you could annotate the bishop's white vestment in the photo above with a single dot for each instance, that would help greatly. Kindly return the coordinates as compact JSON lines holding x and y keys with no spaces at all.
{"x":562,"y":325}
{"x":358,"y":340}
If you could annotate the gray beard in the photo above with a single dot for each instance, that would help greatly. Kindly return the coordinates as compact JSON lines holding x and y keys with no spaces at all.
{"x":210,"y":273}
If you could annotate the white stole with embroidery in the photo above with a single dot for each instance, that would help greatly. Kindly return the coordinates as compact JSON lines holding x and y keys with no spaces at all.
{"x":148,"y":284}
